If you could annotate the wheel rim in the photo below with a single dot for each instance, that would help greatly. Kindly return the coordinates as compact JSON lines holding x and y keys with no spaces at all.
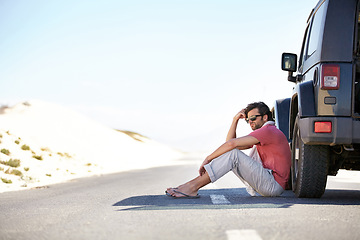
{"x":296,"y":157}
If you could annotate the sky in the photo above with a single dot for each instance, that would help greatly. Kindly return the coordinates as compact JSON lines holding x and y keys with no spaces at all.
{"x":175,"y":71}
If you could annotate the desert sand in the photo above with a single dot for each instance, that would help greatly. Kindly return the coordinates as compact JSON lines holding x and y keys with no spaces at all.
{"x":43,"y":143}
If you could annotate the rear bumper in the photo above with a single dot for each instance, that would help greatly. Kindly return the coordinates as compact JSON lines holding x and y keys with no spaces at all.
{"x":345,"y":130}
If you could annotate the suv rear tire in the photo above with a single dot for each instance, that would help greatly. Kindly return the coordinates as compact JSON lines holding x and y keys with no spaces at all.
{"x":309,"y":166}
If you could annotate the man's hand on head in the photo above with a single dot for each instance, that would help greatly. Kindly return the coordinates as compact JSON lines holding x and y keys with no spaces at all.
{"x":240,"y":115}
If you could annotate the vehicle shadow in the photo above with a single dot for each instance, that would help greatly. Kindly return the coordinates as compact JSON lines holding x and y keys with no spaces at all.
{"x":237,"y":198}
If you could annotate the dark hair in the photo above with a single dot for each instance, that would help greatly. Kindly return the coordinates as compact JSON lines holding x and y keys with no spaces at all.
{"x":262,"y":107}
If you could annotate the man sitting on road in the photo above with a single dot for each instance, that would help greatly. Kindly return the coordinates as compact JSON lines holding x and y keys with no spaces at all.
{"x":267,"y":169}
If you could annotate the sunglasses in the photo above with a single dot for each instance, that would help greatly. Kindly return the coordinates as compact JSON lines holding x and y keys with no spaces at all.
{"x":252,"y":118}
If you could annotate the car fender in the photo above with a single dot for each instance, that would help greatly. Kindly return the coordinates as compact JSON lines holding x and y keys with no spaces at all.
{"x":281,"y":115}
{"x":306,"y":99}
{"x":302,"y":103}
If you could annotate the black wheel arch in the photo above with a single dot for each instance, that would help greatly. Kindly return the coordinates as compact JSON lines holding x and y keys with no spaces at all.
{"x":302,"y":104}
{"x":281,"y":114}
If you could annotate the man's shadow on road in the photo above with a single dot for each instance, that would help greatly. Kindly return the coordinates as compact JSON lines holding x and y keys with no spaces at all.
{"x":236,"y":198}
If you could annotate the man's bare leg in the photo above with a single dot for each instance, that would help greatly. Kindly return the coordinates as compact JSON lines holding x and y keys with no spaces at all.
{"x":190,"y":188}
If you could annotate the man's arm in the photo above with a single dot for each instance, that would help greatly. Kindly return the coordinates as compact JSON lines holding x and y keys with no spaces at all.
{"x":240,"y":143}
{"x":232,"y":131}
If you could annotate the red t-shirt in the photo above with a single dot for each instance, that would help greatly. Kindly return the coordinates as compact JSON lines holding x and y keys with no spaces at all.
{"x":274,"y":151}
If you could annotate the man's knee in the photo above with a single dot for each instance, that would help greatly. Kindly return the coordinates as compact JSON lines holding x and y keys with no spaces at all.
{"x":235,"y":153}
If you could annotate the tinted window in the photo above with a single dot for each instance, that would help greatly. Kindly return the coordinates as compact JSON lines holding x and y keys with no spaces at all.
{"x":315,"y":30}
{"x":357,"y":47}
{"x":303,"y":48}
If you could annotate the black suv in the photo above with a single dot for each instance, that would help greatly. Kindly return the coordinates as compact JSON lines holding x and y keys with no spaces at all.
{"x":322,"y":117}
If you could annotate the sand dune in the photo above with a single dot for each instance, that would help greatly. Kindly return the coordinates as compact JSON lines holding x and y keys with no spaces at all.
{"x":54,"y":144}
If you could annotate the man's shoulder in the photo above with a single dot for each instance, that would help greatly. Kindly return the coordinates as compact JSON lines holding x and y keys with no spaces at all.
{"x":269,"y":134}
{"x":272,"y":128}
{"x":276,"y":133}
{"x":267,"y":129}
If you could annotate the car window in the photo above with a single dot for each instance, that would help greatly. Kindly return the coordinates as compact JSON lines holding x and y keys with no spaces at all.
{"x":357,"y":47}
{"x":315,"y":31}
{"x":303,"y":48}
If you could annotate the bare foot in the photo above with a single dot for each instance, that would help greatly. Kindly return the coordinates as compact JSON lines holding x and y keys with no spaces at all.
{"x":183,"y":191}
{"x":191,"y":188}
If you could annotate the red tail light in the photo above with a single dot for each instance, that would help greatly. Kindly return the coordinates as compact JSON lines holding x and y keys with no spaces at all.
{"x":330,"y":77}
{"x":323,"y":127}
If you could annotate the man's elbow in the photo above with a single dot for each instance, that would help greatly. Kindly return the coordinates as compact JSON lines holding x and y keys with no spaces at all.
{"x":243,"y":142}
{"x":232,"y":144}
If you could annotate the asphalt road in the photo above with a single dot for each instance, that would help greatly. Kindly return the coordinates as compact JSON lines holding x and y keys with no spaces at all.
{"x":132,"y":205}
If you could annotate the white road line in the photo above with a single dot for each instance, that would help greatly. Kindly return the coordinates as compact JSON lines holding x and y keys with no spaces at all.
{"x":219,"y":199}
{"x":245,"y":234}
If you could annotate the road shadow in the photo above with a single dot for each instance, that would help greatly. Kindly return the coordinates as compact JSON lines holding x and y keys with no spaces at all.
{"x":237,"y":198}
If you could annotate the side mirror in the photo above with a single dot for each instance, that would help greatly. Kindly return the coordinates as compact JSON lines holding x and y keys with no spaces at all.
{"x":289,"y":62}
